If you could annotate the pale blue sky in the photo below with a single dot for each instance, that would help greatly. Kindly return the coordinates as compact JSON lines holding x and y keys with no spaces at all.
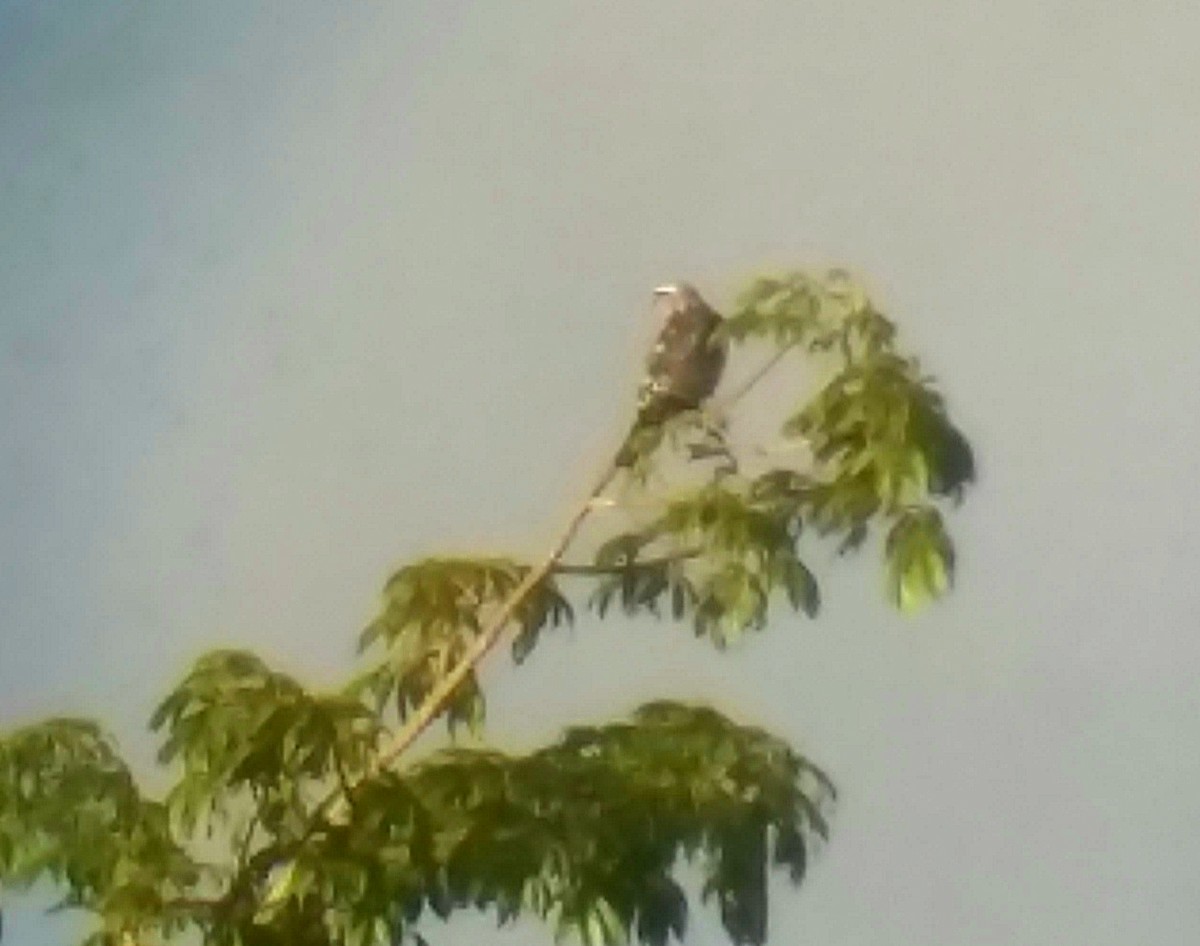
{"x":291,"y":293}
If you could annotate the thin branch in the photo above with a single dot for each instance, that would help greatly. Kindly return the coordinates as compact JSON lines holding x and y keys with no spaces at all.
{"x":755,"y":378}
{"x":343,"y":776}
{"x":441,"y":694}
{"x":244,"y":845}
{"x":563,"y":568}
{"x":198,"y":904}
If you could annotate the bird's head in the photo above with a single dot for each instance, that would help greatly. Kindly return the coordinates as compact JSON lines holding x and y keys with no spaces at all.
{"x":678,"y":295}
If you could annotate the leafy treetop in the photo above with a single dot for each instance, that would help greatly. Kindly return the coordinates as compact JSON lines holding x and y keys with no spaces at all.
{"x":296,"y":817}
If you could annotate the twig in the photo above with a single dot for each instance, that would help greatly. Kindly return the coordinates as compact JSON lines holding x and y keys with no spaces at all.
{"x":244,"y":846}
{"x":753,"y":380}
{"x":440,"y":695}
{"x":563,"y":568}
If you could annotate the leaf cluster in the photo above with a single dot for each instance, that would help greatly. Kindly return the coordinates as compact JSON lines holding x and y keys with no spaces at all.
{"x":248,"y":735}
{"x":882,"y":444}
{"x":432,"y":612}
{"x":817,"y":312}
{"x":71,"y":813}
{"x":726,"y":553}
{"x":882,"y":452}
{"x":586,"y":834}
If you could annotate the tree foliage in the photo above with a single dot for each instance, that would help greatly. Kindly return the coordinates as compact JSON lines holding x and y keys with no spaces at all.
{"x":297,"y":817}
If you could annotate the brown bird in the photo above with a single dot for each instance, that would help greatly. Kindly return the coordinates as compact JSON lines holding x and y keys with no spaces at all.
{"x":684,"y":366}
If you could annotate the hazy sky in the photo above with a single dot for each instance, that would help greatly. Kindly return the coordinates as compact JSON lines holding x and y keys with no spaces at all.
{"x":291,"y":293}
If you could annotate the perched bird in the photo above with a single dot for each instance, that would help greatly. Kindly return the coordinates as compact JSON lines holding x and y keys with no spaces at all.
{"x":683,"y":368}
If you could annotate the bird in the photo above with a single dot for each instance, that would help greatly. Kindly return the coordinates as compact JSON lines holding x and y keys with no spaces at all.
{"x":684,"y":366}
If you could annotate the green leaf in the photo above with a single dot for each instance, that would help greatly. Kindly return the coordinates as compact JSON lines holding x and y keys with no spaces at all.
{"x":920,"y":559}
{"x":585,"y":832}
{"x":433,"y":610}
{"x":786,"y":310}
{"x":70,"y":813}
{"x":602,"y":926}
{"x":802,"y":589}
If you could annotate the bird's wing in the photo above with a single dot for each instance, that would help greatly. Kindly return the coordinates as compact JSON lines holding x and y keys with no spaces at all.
{"x":682,"y":341}
{"x":685,"y":363}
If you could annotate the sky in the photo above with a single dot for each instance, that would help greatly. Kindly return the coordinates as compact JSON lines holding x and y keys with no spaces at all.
{"x":292,"y":293}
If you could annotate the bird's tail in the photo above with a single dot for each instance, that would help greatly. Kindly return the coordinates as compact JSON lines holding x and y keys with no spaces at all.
{"x":628,"y":451}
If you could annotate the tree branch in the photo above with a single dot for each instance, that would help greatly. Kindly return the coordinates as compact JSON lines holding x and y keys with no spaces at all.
{"x":564,"y":568}
{"x":441,"y":694}
{"x":755,"y":378}
{"x":244,"y":847}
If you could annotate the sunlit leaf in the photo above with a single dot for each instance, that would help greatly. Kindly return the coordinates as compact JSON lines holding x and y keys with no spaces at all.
{"x":920,"y":559}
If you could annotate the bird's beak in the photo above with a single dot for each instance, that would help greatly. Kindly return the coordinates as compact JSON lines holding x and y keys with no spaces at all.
{"x":664,"y":290}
